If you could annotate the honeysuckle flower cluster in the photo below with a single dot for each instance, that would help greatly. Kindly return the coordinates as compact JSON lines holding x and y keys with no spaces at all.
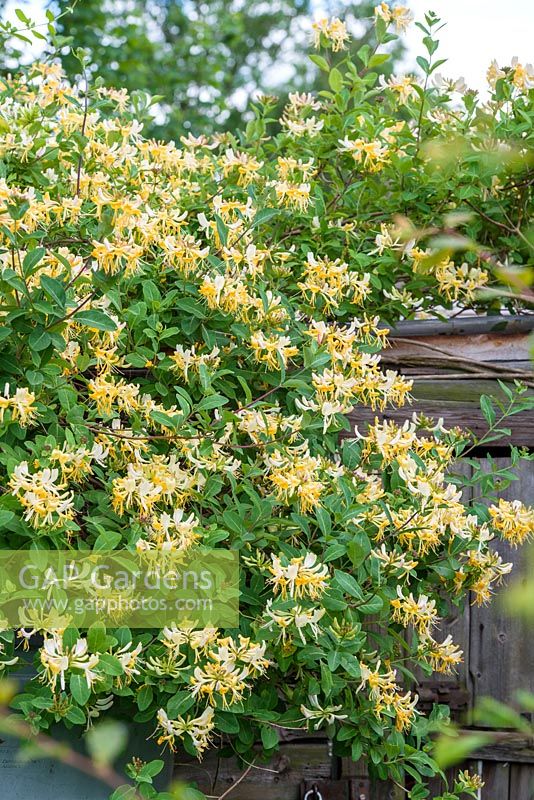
{"x":187,"y":329}
{"x":513,"y":521}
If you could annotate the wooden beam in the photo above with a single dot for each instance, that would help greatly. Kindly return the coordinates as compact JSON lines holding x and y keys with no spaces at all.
{"x":454,"y":368}
{"x":506,"y":746}
{"x":474,"y":324}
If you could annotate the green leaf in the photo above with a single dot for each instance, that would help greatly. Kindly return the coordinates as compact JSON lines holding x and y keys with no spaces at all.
{"x":76,"y":715}
{"x":363,"y":54}
{"x":144,"y":697}
{"x":212,"y":401}
{"x":351,"y":453}
{"x":32,"y":258}
{"x":125,"y":792}
{"x":222,"y":230}
{"x":372,"y":606}
{"x":334,"y":551}
{"x":22,"y":17}
{"x":53,"y":289}
{"x":190,"y":306}
{"x":423,"y":63}
{"x":179,"y":703}
{"x":492,"y":712}
{"x":269,"y":737}
{"x":106,"y":741}
{"x":107,"y":540}
{"x":351,"y":665}
{"x":380,"y":28}
{"x":451,"y":750}
{"x":79,"y":689}
{"x":151,"y":769}
{"x":358,"y":550}
{"x":167,"y":420}
{"x":323,"y":519}
{"x":378,"y":59}
{"x":356,"y":750}
{"x":5,"y":517}
{"x":487,"y":409}
{"x":97,"y":638}
{"x":95,"y":319}
{"x":39,"y":340}
{"x":110,"y":665}
{"x":347,"y":584}
{"x":321,"y":62}
{"x":264,"y":215}
{"x":335,"y":80}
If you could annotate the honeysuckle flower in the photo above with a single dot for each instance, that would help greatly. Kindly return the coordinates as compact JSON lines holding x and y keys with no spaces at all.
{"x":513,"y":521}
{"x":198,"y":728}
{"x":449,"y":84}
{"x":168,"y":533}
{"x":220,"y":680}
{"x":395,"y":561}
{"x":402,"y":86}
{"x":300,"y":100}
{"x":41,"y":495}
{"x":128,"y":659}
{"x":297,"y":617}
{"x":399,"y":15}
{"x":272,"y":350}
{"x":303,"y":127}
{"x":420,"y":611}
{"x":333,"y":30}
{"x":523,"y":75}
{"x":467,"y":781}
{"x":318,"y":715}
{"x":57,"y":660}
{"x":301,"y":576}
{"x":21,"y":405}
{"x":494,"y":73}
{"x":442,"y":656}
{"x":372,"y":155}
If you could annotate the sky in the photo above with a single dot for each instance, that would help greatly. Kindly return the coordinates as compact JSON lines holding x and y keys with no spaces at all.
{"x":476,"y":32}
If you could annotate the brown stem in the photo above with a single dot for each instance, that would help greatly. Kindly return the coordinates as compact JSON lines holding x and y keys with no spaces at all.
{"x":238,"y":781}
{"x":490,"y":219}
{"x":62,"y":752}
{"x":74,"y":311}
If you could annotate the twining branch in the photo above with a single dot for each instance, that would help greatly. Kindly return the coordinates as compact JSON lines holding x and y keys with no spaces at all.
{"x":13,"y":726}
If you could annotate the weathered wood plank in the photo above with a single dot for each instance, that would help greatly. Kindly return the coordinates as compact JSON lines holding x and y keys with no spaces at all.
{"x":280,"y":779}
{"x":334,"y":790}
{"x":435,"y":787}
{"x":462,"y":413}
{"x":366,"y":788}
{"x":468,"y":325}
{"x":451,"y":372}
{"x":507,"y":746}
{"x":489,"y":348}
{"x":496,"y":777}
{"x":521,"y":782}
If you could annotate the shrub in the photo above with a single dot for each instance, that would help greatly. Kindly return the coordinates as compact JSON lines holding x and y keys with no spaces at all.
{"x":186,"y":329}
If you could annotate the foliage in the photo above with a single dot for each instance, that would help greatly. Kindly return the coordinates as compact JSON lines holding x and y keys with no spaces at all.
{"x":185,"y":332}
{"x":206,"y":60}
{"x":455,"y":745}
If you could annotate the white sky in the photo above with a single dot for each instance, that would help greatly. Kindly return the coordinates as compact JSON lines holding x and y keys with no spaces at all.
{"x":476,"y":32}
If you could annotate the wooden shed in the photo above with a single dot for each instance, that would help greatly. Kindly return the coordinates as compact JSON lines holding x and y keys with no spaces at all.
{"x":452,"y":363}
